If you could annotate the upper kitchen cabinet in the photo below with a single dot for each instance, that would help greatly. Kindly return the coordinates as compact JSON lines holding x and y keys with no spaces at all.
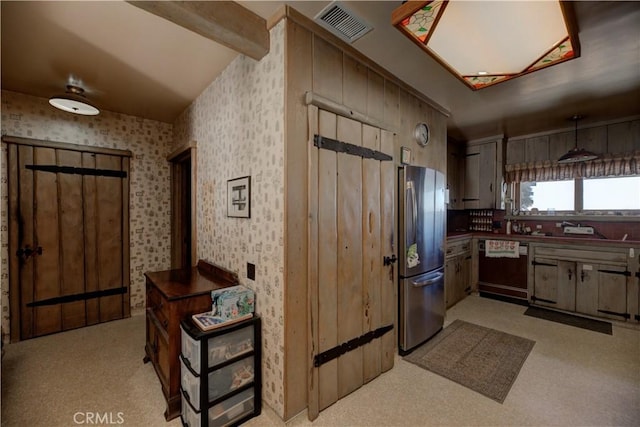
{"x":455,"y":174}
{"x":483,"y":174}
{"x":618,"y":138}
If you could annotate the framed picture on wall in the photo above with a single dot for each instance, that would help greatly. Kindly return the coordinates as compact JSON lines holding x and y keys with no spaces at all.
{"x":239,"y":197}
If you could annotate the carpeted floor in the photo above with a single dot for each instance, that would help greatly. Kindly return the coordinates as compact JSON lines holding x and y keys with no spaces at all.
{"x":572,"y":377}
{"x":482,"y":359}
{"x":88,"y":376}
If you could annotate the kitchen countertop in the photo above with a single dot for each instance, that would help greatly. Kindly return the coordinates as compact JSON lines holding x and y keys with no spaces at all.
{"x":527,"y":238}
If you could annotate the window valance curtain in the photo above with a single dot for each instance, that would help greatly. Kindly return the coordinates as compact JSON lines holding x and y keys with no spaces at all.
{"x":617,"y":165}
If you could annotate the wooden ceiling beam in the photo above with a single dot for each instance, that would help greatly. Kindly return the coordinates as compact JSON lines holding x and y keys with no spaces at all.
{"x":225,"y":22}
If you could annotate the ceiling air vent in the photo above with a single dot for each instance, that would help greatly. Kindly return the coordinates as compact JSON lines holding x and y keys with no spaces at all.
{"x":342,"y":22}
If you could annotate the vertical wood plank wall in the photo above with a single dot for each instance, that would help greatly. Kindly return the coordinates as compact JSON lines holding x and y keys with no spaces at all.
{"x":318,"y":62}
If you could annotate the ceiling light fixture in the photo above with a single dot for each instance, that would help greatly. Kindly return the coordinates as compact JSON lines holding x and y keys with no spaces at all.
{"x":509,"y":38}
{"x":576,"y":154}
{"x":74,"y":101}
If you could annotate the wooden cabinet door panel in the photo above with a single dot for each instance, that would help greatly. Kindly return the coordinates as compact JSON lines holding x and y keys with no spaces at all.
{"x":164,"y":362}
{"x":487,"y":176}
{"x":472,"y":165}
{"x":545,"y":291}
{"x":554,"y":283}
{"x":465,"y":275}
{"x":450,"y":277}
{"x":612,"y":291}
{"x":587,"y":289}
{"x":566,"y":285}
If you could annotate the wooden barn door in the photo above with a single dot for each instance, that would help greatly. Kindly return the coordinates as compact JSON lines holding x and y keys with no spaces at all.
{"x":351,"y":291}
{"x":68,"y":236}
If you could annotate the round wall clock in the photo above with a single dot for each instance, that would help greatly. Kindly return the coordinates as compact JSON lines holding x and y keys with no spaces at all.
{"x":421,"y":134}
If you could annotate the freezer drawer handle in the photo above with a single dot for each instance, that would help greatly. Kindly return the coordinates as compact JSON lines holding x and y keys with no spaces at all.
{"x":339,"y":350}
{"x":428,"y":282}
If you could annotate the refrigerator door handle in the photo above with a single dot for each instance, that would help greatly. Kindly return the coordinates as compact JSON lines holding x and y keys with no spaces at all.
{"x":411,"y":188}
{"x":433,"y":279}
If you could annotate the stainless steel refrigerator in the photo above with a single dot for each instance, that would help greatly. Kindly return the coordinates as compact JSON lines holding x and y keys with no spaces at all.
{"x":422,"y":218}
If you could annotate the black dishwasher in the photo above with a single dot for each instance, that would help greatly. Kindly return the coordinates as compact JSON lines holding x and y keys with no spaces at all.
{"x":503,"y":276}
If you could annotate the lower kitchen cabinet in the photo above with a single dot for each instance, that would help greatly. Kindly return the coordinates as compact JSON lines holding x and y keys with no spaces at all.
{"x":601,"y":290}
{"x":587,"y":282}
{"x":554,"y":283}
{"x":220,"y":374}
{"x":457,"y":272}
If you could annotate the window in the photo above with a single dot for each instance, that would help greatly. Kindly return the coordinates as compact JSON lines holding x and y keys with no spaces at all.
{"x":547,"y":196}
{"x":581,"y":194}
{"x":605,"y":194}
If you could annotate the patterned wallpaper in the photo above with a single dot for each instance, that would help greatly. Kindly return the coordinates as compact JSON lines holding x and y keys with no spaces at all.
{"x":149,"y":141}
{"x":237,"y":124}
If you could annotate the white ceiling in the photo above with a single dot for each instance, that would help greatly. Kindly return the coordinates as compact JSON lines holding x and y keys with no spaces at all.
{"x":133,"y":62}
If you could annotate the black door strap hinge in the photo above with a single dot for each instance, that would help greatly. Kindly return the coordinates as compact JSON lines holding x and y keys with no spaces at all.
{"x":339,"y":350}
{"x":613,"y":313}
{"x":621,"y":273}
{"x":79,"y":297}
{"x":534,"y":262}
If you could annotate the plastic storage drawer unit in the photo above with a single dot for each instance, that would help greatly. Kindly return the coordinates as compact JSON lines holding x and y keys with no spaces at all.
{"x":222,"y":414}
{"x":220,"y":348}
{"x":221,"y":381}
{"x":225,"y":389}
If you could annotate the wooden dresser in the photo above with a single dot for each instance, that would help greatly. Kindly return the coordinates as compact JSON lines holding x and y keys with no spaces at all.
{"x":173,"y":295}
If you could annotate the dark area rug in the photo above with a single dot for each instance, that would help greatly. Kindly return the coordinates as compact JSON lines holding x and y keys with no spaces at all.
{"x":482,"y":359}
{"x":571,"y":320}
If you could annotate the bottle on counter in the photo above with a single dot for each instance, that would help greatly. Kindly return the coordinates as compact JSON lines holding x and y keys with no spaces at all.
{"x":508,"y":226}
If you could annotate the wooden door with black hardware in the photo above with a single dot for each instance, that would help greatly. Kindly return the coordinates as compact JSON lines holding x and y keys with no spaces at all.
{"x":68,"y":236}
{"x":351,"y":286}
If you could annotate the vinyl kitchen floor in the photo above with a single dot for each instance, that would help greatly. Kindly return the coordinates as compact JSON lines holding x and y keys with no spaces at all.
{"x":572,"y":377}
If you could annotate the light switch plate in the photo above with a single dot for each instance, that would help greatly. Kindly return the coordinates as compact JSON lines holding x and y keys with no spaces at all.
{"x":251,"y":271}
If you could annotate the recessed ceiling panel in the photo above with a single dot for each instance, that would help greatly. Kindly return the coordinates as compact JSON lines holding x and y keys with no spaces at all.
{"x":496,"y":37}
{"x":485,"y":42}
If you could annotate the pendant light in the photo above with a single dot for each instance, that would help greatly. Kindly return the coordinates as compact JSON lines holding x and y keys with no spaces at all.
{"x":74,"y":101}
{"x":576,"y":155}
